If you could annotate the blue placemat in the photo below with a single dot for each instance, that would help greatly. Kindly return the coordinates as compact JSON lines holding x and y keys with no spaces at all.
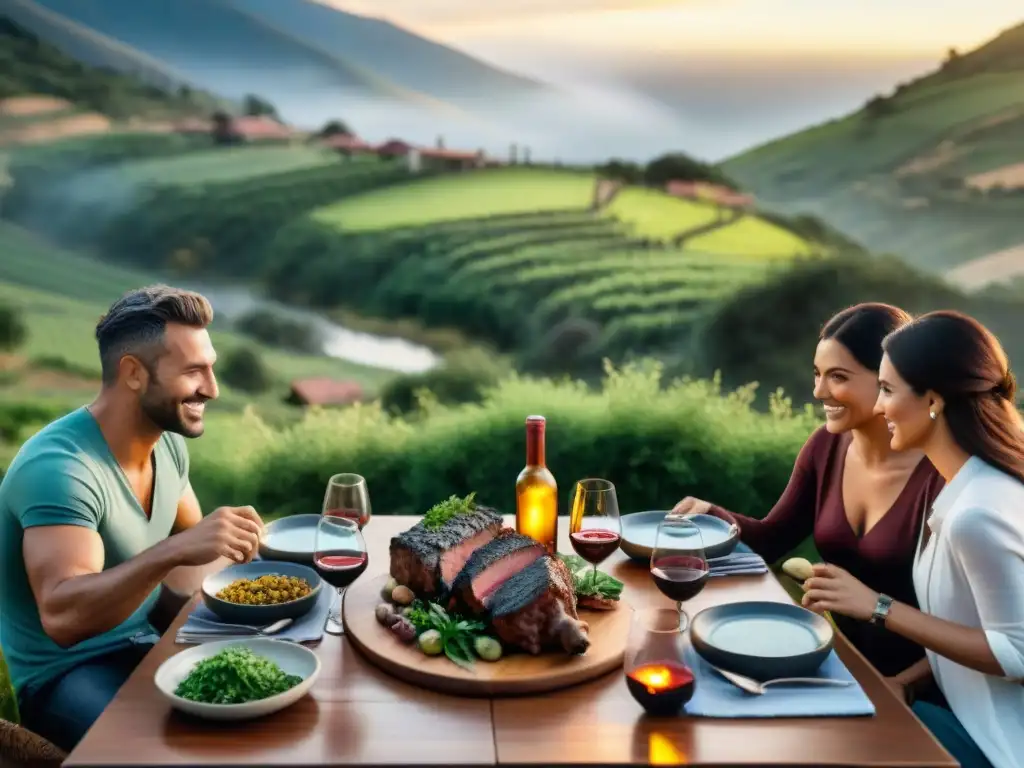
{"x":714,"y":696}
{"x":306,"y":629}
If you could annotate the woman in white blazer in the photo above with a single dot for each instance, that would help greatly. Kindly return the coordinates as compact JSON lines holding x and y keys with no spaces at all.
{"x":946,"y":388}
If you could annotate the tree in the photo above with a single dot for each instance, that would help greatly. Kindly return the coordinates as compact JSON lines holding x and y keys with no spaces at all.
{"x":677,"y":166}
{"x":254,"y":106}
{"x":335,"y":128}
{"x":12,"y":328}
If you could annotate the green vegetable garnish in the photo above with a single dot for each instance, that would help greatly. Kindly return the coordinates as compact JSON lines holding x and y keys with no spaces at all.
{"x":457,"y":634}
{"x":591,"y":583}
{"x":443,"y":511}
{"x":234,"y":676}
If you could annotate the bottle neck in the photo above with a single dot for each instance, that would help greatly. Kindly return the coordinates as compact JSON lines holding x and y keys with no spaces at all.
{"x":535,"y":445}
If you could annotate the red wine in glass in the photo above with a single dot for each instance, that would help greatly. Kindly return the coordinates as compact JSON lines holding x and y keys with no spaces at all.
{"x":361,"y":517}
{"x":347,"y":496}
{"x":679,"y":566}
{"x":679,"y":577}
{"x":594,"y":544}
{"x":340,"y":567}
{"x":340,"y":557}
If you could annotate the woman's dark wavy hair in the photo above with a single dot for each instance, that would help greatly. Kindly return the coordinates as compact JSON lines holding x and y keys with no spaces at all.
{"x":861,"y":329}
{"x":959,"y":359}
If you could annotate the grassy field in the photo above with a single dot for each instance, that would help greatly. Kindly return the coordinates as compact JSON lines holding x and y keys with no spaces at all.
{"x":652,"y":213}
{"x":492,"y":192}
{"x":751,"y":236}
{"x":896,"y":175}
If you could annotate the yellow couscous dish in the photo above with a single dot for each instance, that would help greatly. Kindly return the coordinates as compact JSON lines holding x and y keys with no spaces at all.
{"x":266,"y":590}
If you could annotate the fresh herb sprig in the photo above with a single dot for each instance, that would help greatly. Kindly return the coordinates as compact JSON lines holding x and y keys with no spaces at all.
{"x":443,"y":511}
{"x":234,"y":676}
{"x":589,"y":582}
{"x":457,"y":633}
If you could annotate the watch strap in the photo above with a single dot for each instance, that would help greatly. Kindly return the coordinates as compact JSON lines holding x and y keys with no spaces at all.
{"x":881,"y":612}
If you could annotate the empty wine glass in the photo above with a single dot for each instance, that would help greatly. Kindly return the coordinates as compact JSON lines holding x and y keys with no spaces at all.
{"x":347,"y":496}
{"x":678,"y":564}
{"x":594,"y":525}
{"x":340,"y":557}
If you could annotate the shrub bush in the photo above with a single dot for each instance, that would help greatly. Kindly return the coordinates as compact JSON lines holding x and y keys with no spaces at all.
{"x":464,"y":378}
{"x":244,"y":369}
{"x":12,"y":328}
{"x":656,"y":443}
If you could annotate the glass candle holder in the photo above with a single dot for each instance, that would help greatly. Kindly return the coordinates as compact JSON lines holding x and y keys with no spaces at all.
{"x":656,"y":672}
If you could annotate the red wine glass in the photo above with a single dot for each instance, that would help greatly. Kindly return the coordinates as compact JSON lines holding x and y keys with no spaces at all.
{"x":594,"y":525}
{"x":340,"y":557}
{"x":657,"y":675}
{"x":678,"y":564}
{"x":347,"y":496}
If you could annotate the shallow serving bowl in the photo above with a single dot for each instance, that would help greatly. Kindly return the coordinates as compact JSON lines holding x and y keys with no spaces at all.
{"x":260,"y":615}
{"x":292,"y":658}
{"x":762,"y":639}
{"x":640,"y":528}
{"x":290,"y":538}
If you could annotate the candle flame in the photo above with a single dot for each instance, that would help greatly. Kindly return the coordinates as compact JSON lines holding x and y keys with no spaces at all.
{"x":654,"y":677}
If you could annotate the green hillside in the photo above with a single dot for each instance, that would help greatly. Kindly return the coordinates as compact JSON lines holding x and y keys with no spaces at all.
{"x":925,"y":172}
{"x":29,"y":66}
{"x":61,"y":314}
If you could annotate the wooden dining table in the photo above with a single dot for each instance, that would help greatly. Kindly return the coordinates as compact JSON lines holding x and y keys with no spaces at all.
{"x":357,"y":715}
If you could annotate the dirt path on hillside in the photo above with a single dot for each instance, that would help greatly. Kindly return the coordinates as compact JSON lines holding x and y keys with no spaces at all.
{"x":994,"y":268}
{"x":1009,"y":177}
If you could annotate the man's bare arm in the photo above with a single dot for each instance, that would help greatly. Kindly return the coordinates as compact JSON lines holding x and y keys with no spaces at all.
{"x":77,"y":599}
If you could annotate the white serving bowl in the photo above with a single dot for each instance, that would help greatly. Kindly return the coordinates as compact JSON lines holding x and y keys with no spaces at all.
{"x":292,"y":658}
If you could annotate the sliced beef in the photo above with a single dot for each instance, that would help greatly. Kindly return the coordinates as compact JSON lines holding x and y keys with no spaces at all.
{"x":535,"y":609}
{"x":424,"y":559}
{"x":490,"y":566}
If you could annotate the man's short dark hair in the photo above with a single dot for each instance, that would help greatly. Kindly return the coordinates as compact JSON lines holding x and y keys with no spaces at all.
{"x":135,"y":324}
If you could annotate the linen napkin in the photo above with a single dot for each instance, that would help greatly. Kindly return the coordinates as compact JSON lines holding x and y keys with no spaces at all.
{"x":714,"y":696}
{"x":201,"y":626}
{"x":742,"y":561}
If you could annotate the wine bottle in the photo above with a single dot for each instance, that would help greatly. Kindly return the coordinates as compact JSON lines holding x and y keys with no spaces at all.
{"x":536,"y":491}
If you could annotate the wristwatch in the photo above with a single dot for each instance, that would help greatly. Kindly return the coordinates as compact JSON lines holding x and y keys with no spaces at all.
{"x":881,"y":610}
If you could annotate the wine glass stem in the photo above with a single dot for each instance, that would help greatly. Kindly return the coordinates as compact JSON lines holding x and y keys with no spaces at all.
{"x":684,"y":619}
{"x":336,"y":614}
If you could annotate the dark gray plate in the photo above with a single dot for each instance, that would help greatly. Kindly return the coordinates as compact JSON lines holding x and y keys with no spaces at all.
{"x":639,"y":529}
{"x":290,"y":538}
{"x":260,"y":615}
{"x":762,"y":640}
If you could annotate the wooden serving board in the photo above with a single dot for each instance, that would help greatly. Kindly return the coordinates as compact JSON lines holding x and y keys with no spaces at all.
{"x":516,"y":672}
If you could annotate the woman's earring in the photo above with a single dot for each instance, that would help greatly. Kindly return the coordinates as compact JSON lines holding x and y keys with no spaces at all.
{"x":933,"y":415}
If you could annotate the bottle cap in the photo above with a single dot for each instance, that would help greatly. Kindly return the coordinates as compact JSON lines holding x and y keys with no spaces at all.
{"x":535,"y":419}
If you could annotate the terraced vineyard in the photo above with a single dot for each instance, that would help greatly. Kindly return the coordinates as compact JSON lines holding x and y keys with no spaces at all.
{"x":504,"y":254}
{"x":512,"y":277}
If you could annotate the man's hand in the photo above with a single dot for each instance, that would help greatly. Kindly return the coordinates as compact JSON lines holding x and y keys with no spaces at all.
{"x":231,"y":532}
{"x":692,"y":506}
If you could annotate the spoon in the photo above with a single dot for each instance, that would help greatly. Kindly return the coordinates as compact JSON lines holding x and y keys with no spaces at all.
{"x":270,"y":629}
{"x":753,"y":686}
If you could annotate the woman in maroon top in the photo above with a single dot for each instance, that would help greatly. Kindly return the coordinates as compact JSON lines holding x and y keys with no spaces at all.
{"x":863,"y":502}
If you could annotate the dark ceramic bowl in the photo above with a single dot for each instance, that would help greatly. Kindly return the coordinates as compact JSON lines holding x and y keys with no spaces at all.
{"x":260,"y":615}
{"x":640,"y":528}
{"x":762,"y":640}
{"x":291,"y":539}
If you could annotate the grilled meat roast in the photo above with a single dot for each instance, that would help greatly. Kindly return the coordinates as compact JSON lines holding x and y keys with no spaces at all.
{"x":492,"y":572}
{"x":535,"y":609}
{"x":489,"y":566}
{"x":425,"y":559}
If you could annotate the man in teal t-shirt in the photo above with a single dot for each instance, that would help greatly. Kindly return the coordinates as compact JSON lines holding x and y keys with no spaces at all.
{"x":96,"y":510}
